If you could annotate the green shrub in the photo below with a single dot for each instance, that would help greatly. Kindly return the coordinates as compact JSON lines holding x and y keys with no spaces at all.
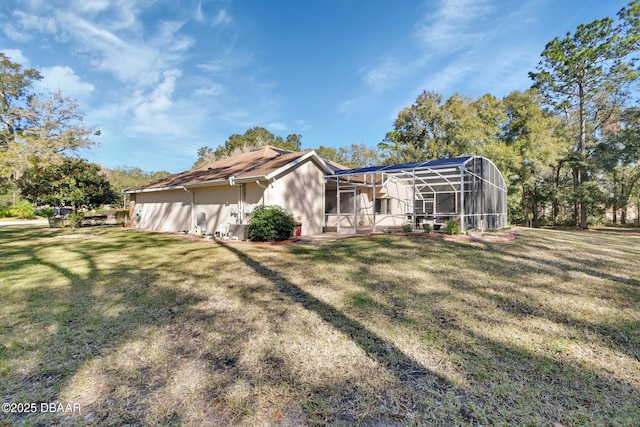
{"x":22,"y":210}
{"x":270,"y":224}
{"x":406,"y":228}
{"x":427,"y":227}
{"x":4,"y":212}
{"x":48,"y":213}
{"x":453,"y":226}
{"x":75,"y":219}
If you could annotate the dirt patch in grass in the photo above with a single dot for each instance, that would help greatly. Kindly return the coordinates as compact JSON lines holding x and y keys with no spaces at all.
{"x":141,"y":328}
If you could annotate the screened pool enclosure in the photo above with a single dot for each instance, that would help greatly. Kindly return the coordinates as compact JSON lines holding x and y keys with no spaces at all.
{"x":470,"y":190}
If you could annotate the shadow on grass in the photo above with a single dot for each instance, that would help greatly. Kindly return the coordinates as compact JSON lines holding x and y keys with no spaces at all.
{"x":402,"y":366}
{"x":59,"y":329}
{"x":496,"y":367}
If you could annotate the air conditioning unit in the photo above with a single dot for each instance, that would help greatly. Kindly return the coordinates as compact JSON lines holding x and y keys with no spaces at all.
{"x":240,"y":231}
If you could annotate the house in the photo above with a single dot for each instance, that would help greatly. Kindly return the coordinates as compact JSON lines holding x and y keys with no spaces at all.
{"x":217,"y":198}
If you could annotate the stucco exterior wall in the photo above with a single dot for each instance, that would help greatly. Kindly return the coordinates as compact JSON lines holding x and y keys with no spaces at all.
{"x":219,"y":204}
{"x":162,"y":211}
{"x":301,"y":192}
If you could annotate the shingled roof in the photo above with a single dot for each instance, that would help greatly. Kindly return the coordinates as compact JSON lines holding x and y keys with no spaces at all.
{"x":263,"y":163}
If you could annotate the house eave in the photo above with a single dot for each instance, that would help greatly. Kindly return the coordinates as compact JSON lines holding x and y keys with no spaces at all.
{"x":217,"y":182}
{"x":310,"y":155}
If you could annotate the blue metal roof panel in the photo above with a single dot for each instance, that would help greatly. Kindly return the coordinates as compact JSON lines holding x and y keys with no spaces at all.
{"x":431,"y":164}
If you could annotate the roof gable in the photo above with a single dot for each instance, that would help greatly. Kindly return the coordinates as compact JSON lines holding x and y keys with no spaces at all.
{"x":262,"y":163}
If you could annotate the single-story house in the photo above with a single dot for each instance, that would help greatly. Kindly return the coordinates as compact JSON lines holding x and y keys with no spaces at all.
{"x":217,"y":198}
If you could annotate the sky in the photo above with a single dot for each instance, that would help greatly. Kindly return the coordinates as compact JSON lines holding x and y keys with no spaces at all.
{"x":162,"y":78}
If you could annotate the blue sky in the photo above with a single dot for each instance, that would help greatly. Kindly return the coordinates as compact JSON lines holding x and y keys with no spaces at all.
{"x":161,"y":78}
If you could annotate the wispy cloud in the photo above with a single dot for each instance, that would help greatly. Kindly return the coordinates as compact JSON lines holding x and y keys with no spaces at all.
{"x":222,"y":18}
{"x":65,"y":80}
{"x":213,"y":66}
{"x":453,"y":24}
{"x":383,"y":76}
{"x":277,"y":127}
{"x":110,"y":33}
{"x":491,"y":61}
{"x":199,"y":15}
{"x":25,"y":26}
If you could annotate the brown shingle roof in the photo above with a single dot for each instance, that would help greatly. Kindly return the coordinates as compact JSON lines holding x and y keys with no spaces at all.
{"x":255,"y":164}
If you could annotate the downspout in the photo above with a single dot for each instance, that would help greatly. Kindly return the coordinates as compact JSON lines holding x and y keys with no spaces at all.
{"x":193,"y":229}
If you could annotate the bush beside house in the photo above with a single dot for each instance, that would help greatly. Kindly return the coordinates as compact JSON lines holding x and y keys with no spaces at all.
{"x":270,"y":224}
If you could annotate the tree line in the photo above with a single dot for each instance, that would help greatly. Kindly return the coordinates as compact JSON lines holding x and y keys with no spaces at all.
{"x":569,"y":146}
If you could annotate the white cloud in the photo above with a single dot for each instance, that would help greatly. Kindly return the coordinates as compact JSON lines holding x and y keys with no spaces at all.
{"x":109,"y":33}
{"x":453,"y":25}
{"x":212,"y":66}
{"x":446,"y":81}
{"x":222,"y":19}
{"x":384,"y":75}
{"x":23,"y":25}
{"x":277,"y":127}
{"x":90,"y":6}
{"x":199,"y":16}
{"x":17,"y":56}
{"x":212,"y":89}
{"x":160,"y":100}
{"x":66,"y":80}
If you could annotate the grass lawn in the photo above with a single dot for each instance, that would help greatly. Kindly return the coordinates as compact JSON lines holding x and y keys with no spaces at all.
{"x":151,"y":329}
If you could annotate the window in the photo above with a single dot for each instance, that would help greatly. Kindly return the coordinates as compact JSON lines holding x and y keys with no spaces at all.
{"x":383,"y":206}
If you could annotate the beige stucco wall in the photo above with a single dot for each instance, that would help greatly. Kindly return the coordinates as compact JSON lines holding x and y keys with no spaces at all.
{"x":162,"y":210}
{"x":301,"y":192}
{"x":218,"y":203}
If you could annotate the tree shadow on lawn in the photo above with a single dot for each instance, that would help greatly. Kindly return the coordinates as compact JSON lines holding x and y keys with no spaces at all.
{"x":116,"y":338}
{"x":537,"y":373}
{"x":408,"y":371}
{"x":514,"y":263}
{"x":61,"y":329}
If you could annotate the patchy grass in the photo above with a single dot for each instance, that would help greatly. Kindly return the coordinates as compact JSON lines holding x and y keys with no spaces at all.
{"x":152,"y":329}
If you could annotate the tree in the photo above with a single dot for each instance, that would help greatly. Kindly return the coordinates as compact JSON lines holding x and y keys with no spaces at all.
{"x":586,"y":77}
{"x":419,"y":132}
{"x":252,"y":138}
{"x":123,"y":178}
{"x":618,"y":157}
{"x":15,"y":85}
{"x":432,"y":129}
{"x":531,"y":146}
{"x":35,"y":129}
{"x":360,"y":155}
{"x":330,"y":154}
{"x":353,"y":156}
{"x":71,"y":182}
